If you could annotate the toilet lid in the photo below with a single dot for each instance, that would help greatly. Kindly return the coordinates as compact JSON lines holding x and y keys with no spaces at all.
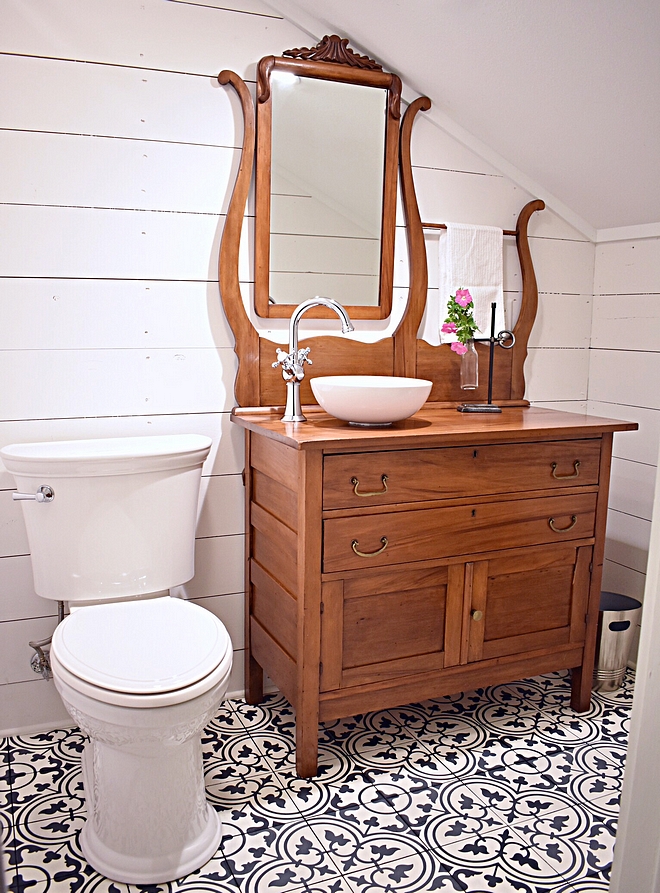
{"x":141,"y":647}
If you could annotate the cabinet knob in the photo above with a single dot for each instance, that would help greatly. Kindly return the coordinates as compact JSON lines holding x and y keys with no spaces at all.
{"x":477,"y":615}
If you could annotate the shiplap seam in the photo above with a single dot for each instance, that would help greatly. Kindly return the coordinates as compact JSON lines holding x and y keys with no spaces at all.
{"x":247,"y":12}
{"x":123,"y":65}
{"x":110,"y":136}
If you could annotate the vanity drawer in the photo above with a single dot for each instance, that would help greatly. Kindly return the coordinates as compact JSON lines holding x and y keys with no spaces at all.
{"x":396,"y":476}
{"x":425,"y":534}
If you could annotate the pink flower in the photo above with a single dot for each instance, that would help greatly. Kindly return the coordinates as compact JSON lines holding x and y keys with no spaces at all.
{"x":448,"y":328}
{"x":459,"y":348}
{"x":463,"y":297}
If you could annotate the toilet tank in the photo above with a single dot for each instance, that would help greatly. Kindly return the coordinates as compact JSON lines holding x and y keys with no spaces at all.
{"x":123,"y":516}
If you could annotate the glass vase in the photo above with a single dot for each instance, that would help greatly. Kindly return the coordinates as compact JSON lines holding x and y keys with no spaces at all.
{"x":470,"y":368}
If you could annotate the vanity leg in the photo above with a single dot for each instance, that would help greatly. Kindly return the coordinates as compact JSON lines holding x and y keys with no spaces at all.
{"x":580,"y":690}
{"x":254,"y":674}
{"x":309,"y":561}
{"x":307,"y":745}
{"x":254,"y":680}
{"x":582,"y":676}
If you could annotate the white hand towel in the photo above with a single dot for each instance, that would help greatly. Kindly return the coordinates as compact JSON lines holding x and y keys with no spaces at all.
{"x":471,"y":257}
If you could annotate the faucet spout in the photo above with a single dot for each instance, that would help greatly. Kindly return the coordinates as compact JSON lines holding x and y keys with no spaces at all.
{"x":346,"y":324}
{"x":292,"y":363}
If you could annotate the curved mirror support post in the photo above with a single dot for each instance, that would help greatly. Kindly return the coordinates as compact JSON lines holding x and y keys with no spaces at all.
{"x":327,"y":151}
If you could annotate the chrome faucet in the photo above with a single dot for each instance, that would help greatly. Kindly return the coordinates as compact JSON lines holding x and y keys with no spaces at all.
{"x":292,"y":363}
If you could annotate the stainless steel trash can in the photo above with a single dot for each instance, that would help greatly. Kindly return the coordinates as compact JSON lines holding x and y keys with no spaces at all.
{"x":619,"y":615}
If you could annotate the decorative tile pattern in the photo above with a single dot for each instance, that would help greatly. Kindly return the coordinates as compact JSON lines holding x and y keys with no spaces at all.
{"x":504,"y":789}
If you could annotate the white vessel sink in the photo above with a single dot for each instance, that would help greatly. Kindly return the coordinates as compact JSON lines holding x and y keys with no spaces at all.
{"x":370,"y":399}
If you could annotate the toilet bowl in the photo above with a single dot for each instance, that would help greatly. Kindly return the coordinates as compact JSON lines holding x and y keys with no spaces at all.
{"x":139,"y":671}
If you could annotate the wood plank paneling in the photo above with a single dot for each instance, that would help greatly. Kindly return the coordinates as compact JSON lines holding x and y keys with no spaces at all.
{"x":282,"y":667}
{"x":13,"y":538}
{"x":274,"y":497}
{"x":625,"y":376}
{"x":628,"y":540}
{"x":433,"y":148}
{"x":618,"y":578}
{"x":562,"y":321}
{"x":28,"y":707}
{"x":96,"y":172}
{"x":218,"y":567}
{"x":125,"y":103}
{"x":274,"y":609}
{"x":274,"y":547}
{"x":563,"y":266}
{"x":15,"y":652}
{"x":85,"y":243}
{"x":115,"y":382}
{"x":56,"y":314}
{"x":628,"y":268}
{"x":229,"y":610}
{"x":627,"y":320}
{"x":19,"y":600}
{"x":632,"y":489}
{"x":276,"y":461}
{"x":152,"y":34}
{"x":468,"y":198}
{"x":553,"y":371}
{"x":638,"y":446}
{"x":221,"y":506}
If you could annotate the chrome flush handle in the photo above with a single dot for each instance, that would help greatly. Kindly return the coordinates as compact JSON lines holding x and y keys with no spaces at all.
{"x":43,"y":494}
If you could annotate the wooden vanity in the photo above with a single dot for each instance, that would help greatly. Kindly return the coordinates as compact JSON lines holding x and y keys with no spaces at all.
{"x":447,"y":552}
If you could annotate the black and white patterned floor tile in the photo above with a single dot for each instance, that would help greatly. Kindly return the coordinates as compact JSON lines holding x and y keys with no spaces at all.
{"x":504,"y":789}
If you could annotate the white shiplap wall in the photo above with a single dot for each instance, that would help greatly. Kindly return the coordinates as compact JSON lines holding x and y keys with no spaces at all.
{"x":624,"y":382}
{"x":118,"y":150}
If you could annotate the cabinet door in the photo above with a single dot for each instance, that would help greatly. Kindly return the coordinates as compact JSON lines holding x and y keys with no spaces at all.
{"x":384,"y":624}
{"x":533,"y":600}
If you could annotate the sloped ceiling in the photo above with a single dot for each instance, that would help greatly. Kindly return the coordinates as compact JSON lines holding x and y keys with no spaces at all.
{"x":564,"y":94}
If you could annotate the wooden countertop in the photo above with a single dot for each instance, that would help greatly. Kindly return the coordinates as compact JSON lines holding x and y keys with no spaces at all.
{"x":431,"y":426}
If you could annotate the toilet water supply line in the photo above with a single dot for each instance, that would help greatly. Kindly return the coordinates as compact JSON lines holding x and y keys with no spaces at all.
{"x":40,"y":660}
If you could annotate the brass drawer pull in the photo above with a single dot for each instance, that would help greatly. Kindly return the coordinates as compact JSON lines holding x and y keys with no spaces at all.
{"x":477,"y":615}
{"x":560,"y":477}
{"x":354,"y":547}
{"x":356,"y":484}
{"x":551,"y":522}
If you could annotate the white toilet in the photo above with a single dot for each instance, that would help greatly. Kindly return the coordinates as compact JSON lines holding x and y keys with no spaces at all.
{"x":111,"y":530}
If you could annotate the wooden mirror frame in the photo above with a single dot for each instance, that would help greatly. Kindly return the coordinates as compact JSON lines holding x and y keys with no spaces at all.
{"x":258,"y":384}
{"x":331,"y":60}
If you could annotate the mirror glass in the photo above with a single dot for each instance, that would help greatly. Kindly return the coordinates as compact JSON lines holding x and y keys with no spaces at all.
{"x":326,"y":190}
{"x":327,"y":141}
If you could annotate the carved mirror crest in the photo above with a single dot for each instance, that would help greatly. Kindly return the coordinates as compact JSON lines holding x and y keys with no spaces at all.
{"x":326,"y":174}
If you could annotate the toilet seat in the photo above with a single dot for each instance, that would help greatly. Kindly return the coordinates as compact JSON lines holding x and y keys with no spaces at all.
{"x":145,"y":653}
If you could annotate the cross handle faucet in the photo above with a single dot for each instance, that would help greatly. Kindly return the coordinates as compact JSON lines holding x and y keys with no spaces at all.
{"x":292,"y":363}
